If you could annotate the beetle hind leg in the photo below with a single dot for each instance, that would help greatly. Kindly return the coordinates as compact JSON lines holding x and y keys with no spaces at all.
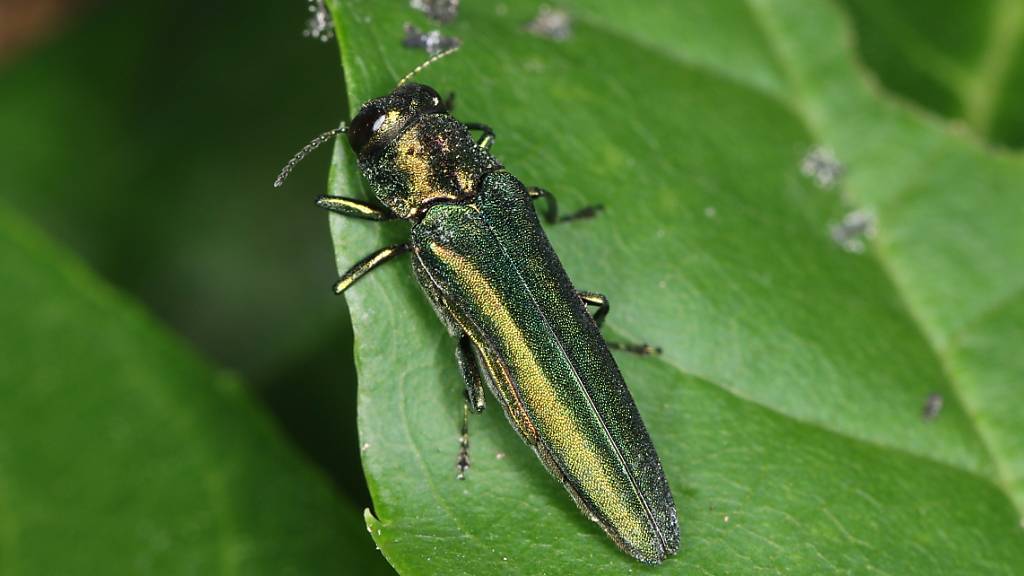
{"x":603,"y":307}
{"x":462,"y":462}
{"x":471,"y":373}
{"x":470,"y":367}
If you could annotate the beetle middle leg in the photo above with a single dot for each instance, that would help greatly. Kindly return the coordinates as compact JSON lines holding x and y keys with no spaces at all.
{"x":366,"y":211}
{"x":601,"y":301}
{"x":366,"y":265}
{"x":551,"y":213}
{"x":471,"y":373}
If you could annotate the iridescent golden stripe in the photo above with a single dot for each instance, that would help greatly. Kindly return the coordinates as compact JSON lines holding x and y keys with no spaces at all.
{"x":514,"y":404}
{"x":597,"y":477}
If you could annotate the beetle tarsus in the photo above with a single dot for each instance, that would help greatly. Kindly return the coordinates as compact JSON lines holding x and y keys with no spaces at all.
{"x":638,"y":349}
{"x":582,"y":213}
{"x":551,"y":213}
{"x":603,"y":307}
{"x":462,"y":462}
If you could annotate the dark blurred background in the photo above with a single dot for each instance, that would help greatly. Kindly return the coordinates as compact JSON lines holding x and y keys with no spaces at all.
{"x":145,"y":136}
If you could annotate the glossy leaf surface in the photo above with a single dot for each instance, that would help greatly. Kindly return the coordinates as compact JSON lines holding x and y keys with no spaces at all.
{"x":788,"y":404}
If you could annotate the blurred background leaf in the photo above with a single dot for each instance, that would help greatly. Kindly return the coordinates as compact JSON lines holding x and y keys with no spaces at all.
{"x":794,"y":406}
{"x":145,"y":138}
{"x":963,"y":60}
{"x":123,"y":453}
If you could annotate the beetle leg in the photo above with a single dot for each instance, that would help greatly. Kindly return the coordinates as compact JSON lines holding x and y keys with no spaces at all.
{"x":449,"y":102}
{"x":354,"y":208}
{"x":462,"y":462}
{"x":474,"y":398}
{"x":601,"y":301}
{"x":551,"y":214}
{"x":364,"y":266}
{"x":638,"y":349}
{"x":471,"y":374}
{"x":487,"y":139}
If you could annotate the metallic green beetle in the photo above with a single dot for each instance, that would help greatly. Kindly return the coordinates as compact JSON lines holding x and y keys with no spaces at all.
{"x":481,"y":256}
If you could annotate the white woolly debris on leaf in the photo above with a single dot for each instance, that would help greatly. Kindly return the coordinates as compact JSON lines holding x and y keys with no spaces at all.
{"x":932,"y":406}
{"x":551,"y":23}
{"x":433,"y":41}
{"x":854,"y":231}
{"x":821,"y":165}
{"x":319,"y":25}
{"x":443,"y":11}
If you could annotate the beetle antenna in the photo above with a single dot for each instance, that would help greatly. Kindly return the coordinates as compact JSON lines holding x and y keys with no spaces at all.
{"x":306,"y":150}
{"x":429,"y":61}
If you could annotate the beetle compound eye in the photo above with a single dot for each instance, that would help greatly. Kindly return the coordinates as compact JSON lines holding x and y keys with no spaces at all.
{"x":369,"y":120}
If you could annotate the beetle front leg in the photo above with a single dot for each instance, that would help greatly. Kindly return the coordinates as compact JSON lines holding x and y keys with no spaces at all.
{"x":355,"y":208}
{"x":551,"y":214}
{"x":470,"y":368}
{"x":366,"y":265}
{"x":603,"y":307}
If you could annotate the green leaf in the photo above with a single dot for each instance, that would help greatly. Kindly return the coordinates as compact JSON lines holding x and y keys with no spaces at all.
{"x":787,"y":406}
{"x":122,"y":453}
{"x":162,"y":91}
{"x":116,"y":106}
{"x":964,"y":60}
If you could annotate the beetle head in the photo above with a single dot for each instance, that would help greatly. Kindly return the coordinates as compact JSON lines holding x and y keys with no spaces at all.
{"x":381,"y":120}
